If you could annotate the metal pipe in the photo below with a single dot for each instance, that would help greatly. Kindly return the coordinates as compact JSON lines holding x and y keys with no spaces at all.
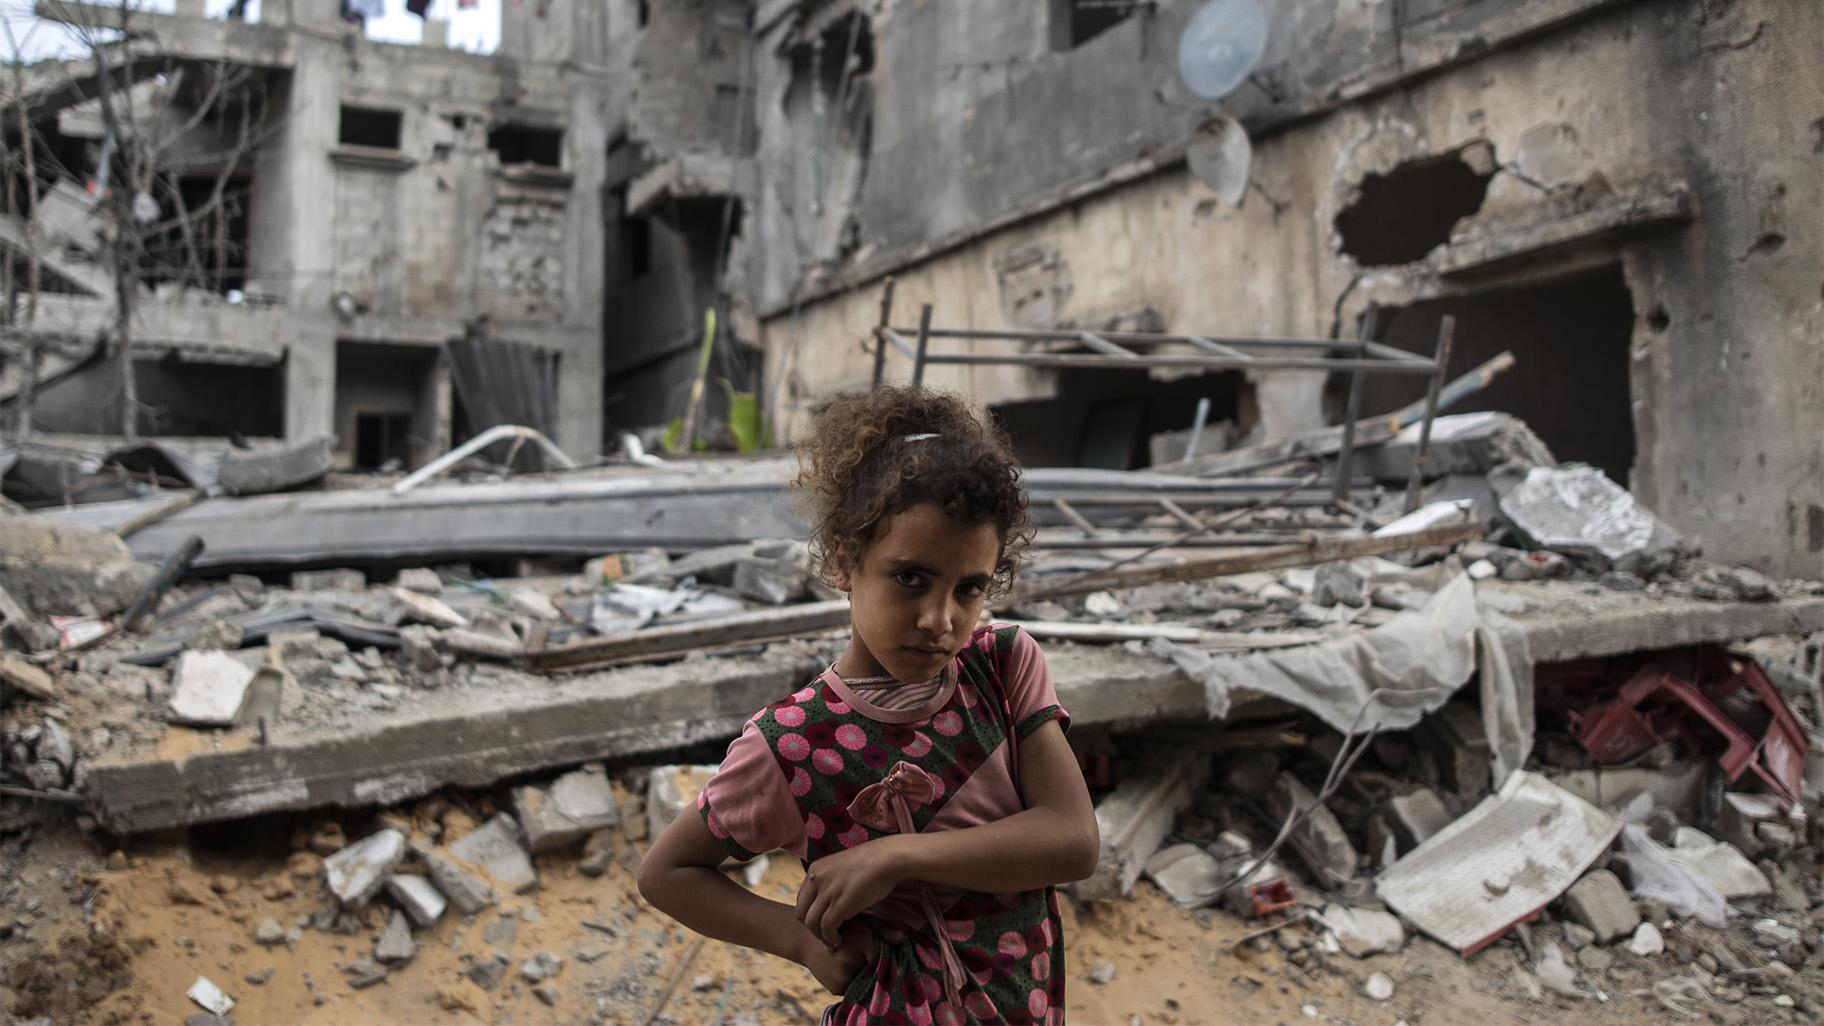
{"x":886,"y":318}
{"x":476,"y":444}
{"x":1137,"y":338}
{"x":924,"y":339}
{"x":1447,"y":329}
{"x":1203,"y":414}
{"x":1340,"y":492}
{"x":1093,"y":360}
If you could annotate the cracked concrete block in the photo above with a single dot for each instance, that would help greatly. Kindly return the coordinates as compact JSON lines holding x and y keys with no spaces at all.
{"x":1364,"y":931}
{"x":576,"y":804}
{"x":469,"y":893}
{"x":1599,"y":902}
{"x":1417,"y":816}
{"x":495,"y":849}
{"x":1718,"y":863}
{"x":357,"y":872}
{"x":669,"y":791}
{"x":418,"y":897}
{"x":420,"y":579}
{"x":1744,"y":815}
{"x":425,"y":609}
{"x":1189,"y":875}
{"x":1134,"y":819}
{"x":1319,"y":840}
{"x":208,"y":688}
{"x":256,"y":473}
{"x":396,"y":943}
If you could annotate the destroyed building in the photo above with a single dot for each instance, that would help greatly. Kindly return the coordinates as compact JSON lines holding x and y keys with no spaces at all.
{"x":404,"y":251}
{"x":1598,"y":186}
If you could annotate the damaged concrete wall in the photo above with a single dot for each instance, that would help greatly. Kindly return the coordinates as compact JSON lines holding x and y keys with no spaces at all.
{"x":1628,"y":135}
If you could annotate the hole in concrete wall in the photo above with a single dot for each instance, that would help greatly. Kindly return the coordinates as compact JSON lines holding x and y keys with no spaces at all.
{"x":179,"y":398}
{"x":1570,"y":382}
{"x":1075,"y":22}
{"x":1400,"y":216}
{"x":209,"y":249}
{"x":632,"y":242}
{"x":1658,"y":319}
{"x":368,"y":126}
{"x":527,"y":144}
{"x":644,"y":12}
{"x":1103,"y":418}
{"x":382,"y":438}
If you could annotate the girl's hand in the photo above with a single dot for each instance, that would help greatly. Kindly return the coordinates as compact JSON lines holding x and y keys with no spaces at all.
{"x":836,"y":968}
{"x":839,"y":887}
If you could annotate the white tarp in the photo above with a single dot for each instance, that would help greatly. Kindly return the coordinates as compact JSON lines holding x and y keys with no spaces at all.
{"x":1508,"y":857}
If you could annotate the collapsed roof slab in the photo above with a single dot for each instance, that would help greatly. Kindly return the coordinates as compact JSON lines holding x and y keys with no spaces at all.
{"x":483,"y":736}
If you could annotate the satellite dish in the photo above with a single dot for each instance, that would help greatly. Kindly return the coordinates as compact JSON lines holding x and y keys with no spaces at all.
{"x":1220,"y":45}
{"x":1219,"y":154}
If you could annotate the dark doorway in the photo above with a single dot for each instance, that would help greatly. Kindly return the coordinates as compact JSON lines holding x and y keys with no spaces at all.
{"x":1570,"y":340}
{"x":1102,"y":418}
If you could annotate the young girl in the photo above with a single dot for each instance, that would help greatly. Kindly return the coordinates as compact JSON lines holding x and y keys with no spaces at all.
{"x":923,"y":778}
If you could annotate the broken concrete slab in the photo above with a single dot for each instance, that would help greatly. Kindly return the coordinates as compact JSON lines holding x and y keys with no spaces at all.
{"x":468,"y":892}
{"x":357,"y":872}
{"x":1320,"y":840}
{"x":1742,"y":817}
{"x":576,"y":804}
{"x":208,"y":688}
{"x":420,"y":579}
{"x":1188,"y":874}
{"x":1469,"y":444}
{"x":1416,"y":817}
{"x":495,"y":849}
{"x":256,"y":473}
{"x":643,"y":709}
{"x":1364,"y":931}
{"x":1579,"y":510}
{"x":396,"y":944}
{"x":1133,"y":821}
{"x":53,"y":569}
{"x":1718,"y":863}
{"x":418,"y":897}
{"x":1600,"y":903}
{"x":18,"y":674}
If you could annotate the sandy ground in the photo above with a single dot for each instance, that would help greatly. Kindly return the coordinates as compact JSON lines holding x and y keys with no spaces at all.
{"x":122,"y":944}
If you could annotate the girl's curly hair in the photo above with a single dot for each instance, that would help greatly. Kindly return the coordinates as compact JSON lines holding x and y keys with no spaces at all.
{"x":864,"y":462}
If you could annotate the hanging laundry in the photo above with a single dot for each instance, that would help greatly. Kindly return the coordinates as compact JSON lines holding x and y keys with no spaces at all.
{"x":417,"y":7}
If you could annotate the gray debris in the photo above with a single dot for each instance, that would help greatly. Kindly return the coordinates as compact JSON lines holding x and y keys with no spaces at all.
{"x":1717,"y":863}
{"x":487,"y":972}
{"x":329,"y":580}
{"x":1363,"y":932}
{"x":208,"y":688}
{"x":1379,"y":987}
{"x":1339,"y":583}
{"x":419,"y":646}
{"x":418,"y":897}
{"x":1595,"y":960}
{"x":257,"y":473}
{"x":357,"y":872}
{"x":363,"y":973}
{"x":1417,"y":816}
{"x":1599,"y":902}
{"x":665,"y":800}
{"x":269,"y":932}
{"x":576,"y":804}
{"x":1320,"y":840}
{"x":481,"y":644}
{"x":422,"y":580}
{"x":395,"y":943}
{"x":1771,"y":933}
{"x":548,"y":993}
{"x":1647,"y":941}
{"x":1556,"y":974}
{"x":541,"y":966}
{"x":425,"y":609}
{"x":1577,"y":936}
{"x":495,"y":848}
{"x":1579,"y":510}
{"x":1189,"y":875}
{"x":775,"y":573}
{"x":1101,"y":972}
{"x":1133,"y":820}
{"x":469,"y":893}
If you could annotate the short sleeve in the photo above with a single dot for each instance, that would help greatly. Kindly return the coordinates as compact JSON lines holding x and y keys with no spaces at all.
{"x":1032,"y":699}
{"x":748,"y":805}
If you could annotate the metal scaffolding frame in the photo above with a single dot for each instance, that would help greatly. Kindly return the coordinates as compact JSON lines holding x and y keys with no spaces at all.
{"x":1136,"y":350}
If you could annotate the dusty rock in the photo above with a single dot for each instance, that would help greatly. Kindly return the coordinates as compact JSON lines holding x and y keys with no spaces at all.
{"x":356,"y":872}
{"x":1556,"y":975}
{"x":598,"y":853}
{"x":1646,"y":941}
{"x":666,"y":796}
{"x":466,"y":891}
{"x":487,"y":972}
{"x":1339,"y":583}
{"x":1101,"y":972}
{"x":464,"y":996}
{"x":1719,"y":864}
{"x":1577,"y":936}
{"x":1188,"y":875}
{"x":548,"y":993}
{"x":1595,"y":959}
{"x":1133,"y":821}
{"x":1363,"y":932}
{"x":425,"y":609}
{"x":422,"y":580}
{"x":269,"y":932}
{"x":541,"y":966}
{"x":418,"y":897}
{"x":1415,"y":817}
{"x":396,"y":943}
{"x":17,"y":673}
{"x":495,"y":849}
{"x":208,"y":688}
{"x":1599,"y":902}
{"x":1771,"y":933}
{"x":576,"y":804}
{"x":1322,"y":842}
{"x":1379,"y":987}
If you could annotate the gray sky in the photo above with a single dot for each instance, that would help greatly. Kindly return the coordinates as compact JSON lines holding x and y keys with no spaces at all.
{"x":476,"y":30}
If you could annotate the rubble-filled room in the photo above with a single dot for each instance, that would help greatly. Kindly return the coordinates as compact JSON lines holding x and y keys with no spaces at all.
{"x":428,"y":433}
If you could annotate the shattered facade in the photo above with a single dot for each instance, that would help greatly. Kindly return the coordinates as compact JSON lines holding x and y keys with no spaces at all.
{"x":397,"y":199}
{"x":1596,"y":186}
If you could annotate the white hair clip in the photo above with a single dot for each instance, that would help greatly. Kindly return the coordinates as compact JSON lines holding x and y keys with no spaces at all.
{"x":917,"y":438}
